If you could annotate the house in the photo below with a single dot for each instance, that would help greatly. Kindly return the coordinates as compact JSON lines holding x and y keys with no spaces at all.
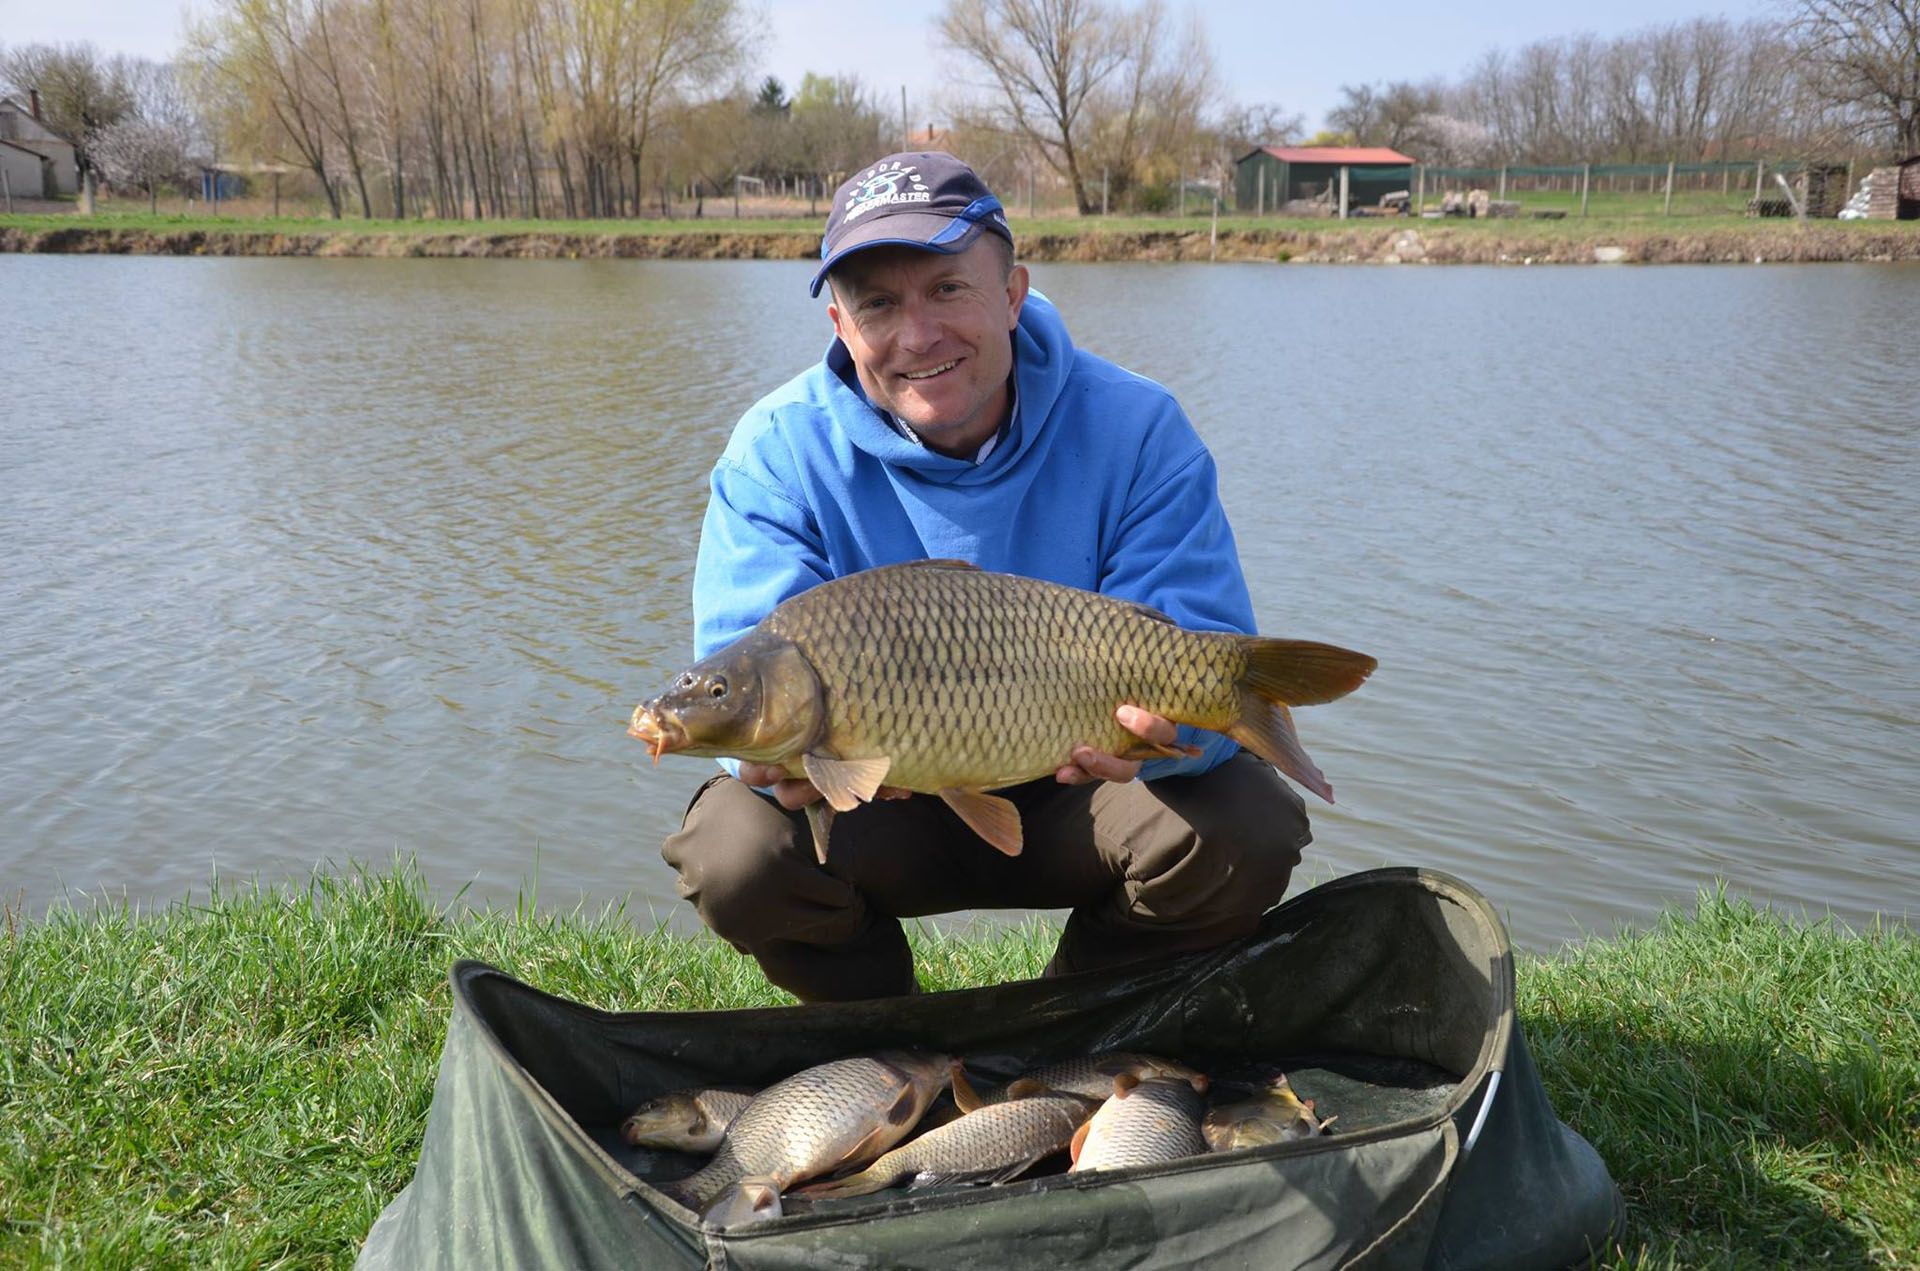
{"x":1270,"y":176}
{"x":38,"y":163}
{"x":930,"y":138}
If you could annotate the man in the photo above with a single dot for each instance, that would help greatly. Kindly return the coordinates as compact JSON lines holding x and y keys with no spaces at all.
{"x":953,"y":417}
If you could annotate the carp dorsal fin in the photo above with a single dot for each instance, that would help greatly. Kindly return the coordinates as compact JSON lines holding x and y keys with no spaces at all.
{"x":846,"y":783}
{"x":938,"y":562}
{"x":988,"y":815}
{"x":1146,"y":611}
{"x":965,"y":1097}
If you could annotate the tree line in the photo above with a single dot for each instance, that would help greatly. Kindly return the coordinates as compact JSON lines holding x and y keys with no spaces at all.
{"x":1840,"y":77}
{"x":616,"y":108}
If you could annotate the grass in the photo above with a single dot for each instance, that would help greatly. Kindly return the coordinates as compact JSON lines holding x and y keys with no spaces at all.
{"x":242,"y":1080}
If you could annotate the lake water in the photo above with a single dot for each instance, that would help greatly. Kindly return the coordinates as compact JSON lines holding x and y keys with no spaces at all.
{"x":323,"y":561}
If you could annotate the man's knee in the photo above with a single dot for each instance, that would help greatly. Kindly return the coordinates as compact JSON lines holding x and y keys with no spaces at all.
{"x":728,"y":853}
{"x":1220,"y":845}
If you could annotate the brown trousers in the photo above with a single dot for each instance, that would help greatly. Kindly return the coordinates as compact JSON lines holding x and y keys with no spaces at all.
{"x":1148,"y":868}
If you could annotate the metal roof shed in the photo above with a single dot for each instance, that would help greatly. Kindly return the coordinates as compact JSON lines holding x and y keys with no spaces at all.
{"x":1269,"y":176}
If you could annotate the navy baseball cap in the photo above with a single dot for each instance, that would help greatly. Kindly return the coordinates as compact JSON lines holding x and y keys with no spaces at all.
{"x":926,"y":200}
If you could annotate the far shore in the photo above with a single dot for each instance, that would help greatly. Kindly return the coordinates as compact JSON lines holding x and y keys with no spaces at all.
{"x":1602,"y":240}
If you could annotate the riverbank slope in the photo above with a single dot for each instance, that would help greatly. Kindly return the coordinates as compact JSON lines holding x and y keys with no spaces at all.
{"x":243,"y":1079}
{"x":1692,"y":240}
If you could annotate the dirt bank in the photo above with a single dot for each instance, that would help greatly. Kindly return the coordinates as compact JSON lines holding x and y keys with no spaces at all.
{"x":1398,"y":243}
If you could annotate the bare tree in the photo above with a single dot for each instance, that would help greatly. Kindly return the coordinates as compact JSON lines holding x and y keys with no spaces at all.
{"x":677,"y":45}
{"x":1240,"y":129}
{"x":1389,"y":115}
{"x":1866,"y":60}
{"x":1044,"y":60}
{"x":252,"y":48}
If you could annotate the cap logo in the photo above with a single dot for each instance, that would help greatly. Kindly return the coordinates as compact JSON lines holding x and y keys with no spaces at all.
{"x":880,"y":186}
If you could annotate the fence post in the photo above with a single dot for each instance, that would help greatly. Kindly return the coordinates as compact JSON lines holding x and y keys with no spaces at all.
{"x":1586,"y":178}
{"x":1343,"y":191}
{"x":1843,"y":202}
{"x":736,"y":196}
{"x":1759,"y":169}
{"x":1104,"y":175}
{"x":1420,"y":199}
{"x":1668,"y":210}
{"x":1260,"y":191}
{"x":1029,"y":191}
{"x":1503,"y":181}
{"x":1183,"y":192}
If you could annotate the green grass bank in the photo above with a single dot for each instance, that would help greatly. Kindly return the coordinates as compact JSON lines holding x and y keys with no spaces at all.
{"x":242,"y":1079}
{"x":1609,"y":236}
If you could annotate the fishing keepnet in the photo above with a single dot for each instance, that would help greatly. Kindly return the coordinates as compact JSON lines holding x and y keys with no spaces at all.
{"x":1387,"y":997}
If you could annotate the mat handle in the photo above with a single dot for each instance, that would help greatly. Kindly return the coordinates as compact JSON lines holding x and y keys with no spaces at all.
{"x":1480,"y":1117}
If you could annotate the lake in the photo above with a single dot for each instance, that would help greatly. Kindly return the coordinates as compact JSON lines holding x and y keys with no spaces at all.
{"x":320,"y":561}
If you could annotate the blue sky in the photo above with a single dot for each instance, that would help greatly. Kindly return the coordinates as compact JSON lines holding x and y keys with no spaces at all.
{"x":1296,"y":54}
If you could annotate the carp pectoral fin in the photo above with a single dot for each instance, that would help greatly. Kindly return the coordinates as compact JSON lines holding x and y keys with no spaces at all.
{"x":1266,"y":728}
{"x":988,"y":815}
{"x":893,"y":1127}
{"x":754,"y":1199}
{"x":1078,"y":1141}
{"x":845,"y":783}
{"x":820,"y":821}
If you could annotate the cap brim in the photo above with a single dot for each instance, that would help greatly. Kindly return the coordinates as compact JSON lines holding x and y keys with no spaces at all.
{"x":903,"y":229}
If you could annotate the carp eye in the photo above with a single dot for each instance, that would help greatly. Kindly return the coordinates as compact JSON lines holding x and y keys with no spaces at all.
{"x":718,"y":688}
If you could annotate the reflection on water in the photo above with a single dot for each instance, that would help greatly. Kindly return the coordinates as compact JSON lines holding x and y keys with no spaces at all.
{"x":323,"y":560}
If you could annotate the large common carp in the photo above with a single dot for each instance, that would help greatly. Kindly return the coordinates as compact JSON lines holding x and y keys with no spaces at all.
{"x":938,"y":677}
{"x":822,"y":1118}
{"x":1143,"y":1123}
{"x":990,"y":1144}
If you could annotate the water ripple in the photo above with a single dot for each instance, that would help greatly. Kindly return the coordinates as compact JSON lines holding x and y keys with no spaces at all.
{"x":316,"y":560}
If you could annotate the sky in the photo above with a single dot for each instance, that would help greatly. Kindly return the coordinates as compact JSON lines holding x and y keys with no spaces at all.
{"x":1297,"y":55}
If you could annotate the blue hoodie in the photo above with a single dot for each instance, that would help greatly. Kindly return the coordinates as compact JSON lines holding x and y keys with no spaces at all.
{"x":1099,"y":481}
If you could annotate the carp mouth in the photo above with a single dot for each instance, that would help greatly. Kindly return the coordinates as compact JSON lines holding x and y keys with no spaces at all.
{"x":660,"y":731}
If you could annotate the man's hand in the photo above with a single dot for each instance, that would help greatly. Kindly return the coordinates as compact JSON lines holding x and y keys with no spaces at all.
{"x":794,"y":793}
{"x":1095,"y":765}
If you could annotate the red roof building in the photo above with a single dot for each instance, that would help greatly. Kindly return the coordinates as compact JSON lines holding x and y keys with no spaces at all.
{"x":1349,"y":155}
{"x":1269,"y":177}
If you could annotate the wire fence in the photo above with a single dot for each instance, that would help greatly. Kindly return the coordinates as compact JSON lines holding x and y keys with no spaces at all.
{"x":1757,"y":187}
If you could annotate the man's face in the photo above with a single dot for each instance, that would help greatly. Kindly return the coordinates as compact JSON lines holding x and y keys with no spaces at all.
{"x":930,"y":336}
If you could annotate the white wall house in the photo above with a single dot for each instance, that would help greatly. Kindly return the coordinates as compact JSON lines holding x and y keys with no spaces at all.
{"x":24,"y":139}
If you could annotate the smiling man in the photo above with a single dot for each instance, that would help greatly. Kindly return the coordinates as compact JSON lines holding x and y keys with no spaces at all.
{"x":952,"y":416}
